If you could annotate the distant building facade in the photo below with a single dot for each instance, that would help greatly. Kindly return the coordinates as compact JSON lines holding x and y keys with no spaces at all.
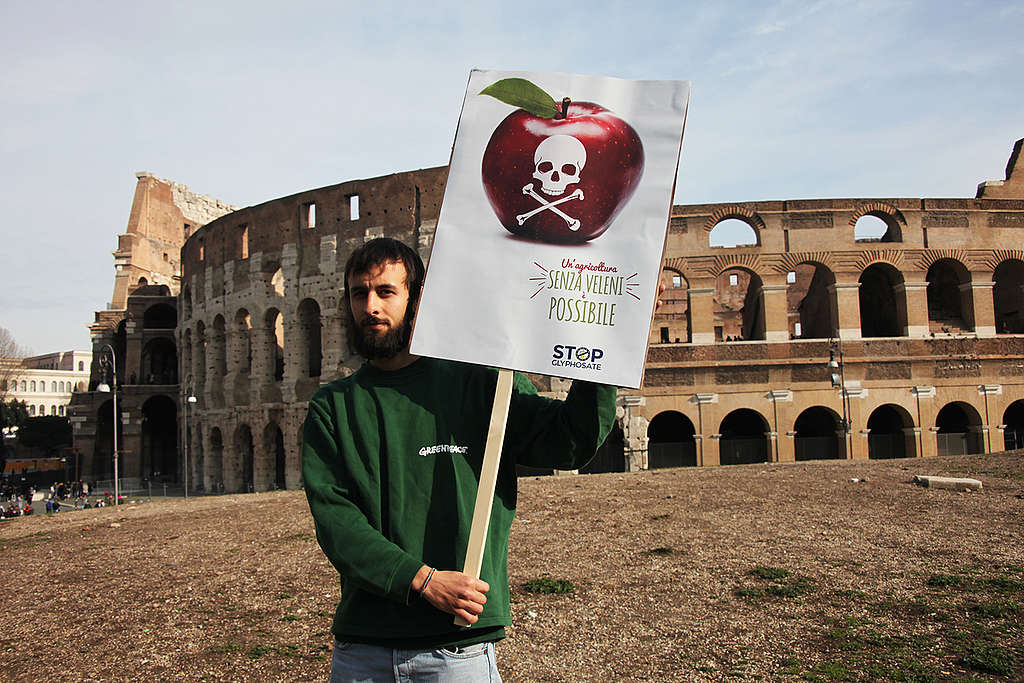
{"x":46,"y":383}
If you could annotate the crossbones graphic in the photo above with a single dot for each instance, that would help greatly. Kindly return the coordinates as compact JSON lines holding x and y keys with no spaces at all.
{"x":551,"y":206}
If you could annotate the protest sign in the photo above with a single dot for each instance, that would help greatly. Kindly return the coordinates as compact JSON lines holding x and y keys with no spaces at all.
{"x":547,"y":252}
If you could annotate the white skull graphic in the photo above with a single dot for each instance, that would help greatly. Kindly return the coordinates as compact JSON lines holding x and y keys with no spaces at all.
{"x":558,"y":162}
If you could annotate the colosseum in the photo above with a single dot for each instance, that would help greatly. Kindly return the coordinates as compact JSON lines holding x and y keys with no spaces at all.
{"x":791,"y":330}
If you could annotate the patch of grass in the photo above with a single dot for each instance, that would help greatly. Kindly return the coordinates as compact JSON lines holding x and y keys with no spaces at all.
{"x":795,"y":588}
{"x":661,"y":551}
{"x":750,"y":592}
{"x":769,"y":573}
{"x":833,"y":671}
{"x":284,"y":596}
{"x":257,"y":651}
{"x":548,"y":586}
{"x":946,"y":581}
{"x":998,"y":609}
{"x":228,"y":648}
{"x":1002,"y":583}
{"x":289,"y":617}
{"x":989,"y":658}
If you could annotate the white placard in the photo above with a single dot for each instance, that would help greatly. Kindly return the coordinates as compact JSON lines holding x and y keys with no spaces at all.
{"x":548,"y":247}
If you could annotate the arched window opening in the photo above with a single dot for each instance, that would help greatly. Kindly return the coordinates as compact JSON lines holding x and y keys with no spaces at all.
{"x":1008,"y":297}
{"x":950,"y":304}
{"x":186,"y":302}
{"x":819,"y":435}
{"x":959,"y":430}
{"x":732,"y":232}
{"x":882,"y":302}
{"x":159,"y":456}
{"x":877,"y":227}
{"x":199,"y":358}
{"x":744,"y":438}
{"x":277,"y":282}
{"x":215,"y":466}
{"x":243,"y":460}
{"x":160,"y":317}
{"x":672,"y":321}
{"x":33,"y":385}
{"x":889,"y":433}
{"x":739,"y":308}
{"x":160,"y":361}
{"x":243,"y":348}
{"x":310,"y":329}
{"x":273,"y":446}
{"x":1013,"y":419}
{"x":670,"y":441}
{"x":273,"y":328}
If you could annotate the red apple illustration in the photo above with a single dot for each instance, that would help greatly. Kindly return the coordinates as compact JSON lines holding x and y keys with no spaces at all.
{"x":558,"y":173}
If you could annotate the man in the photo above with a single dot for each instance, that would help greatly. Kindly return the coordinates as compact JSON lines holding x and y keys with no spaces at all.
{"x":390,"y":459}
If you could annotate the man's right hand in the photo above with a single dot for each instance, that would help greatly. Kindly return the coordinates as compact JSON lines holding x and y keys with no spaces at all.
{"x":454,"y":592}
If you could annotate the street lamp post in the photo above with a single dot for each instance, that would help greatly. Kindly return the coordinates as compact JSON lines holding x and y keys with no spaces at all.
{"x":104,"y":387}
{"x":839,"y":380}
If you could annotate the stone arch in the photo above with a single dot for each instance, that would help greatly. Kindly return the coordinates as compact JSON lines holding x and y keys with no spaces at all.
{"x":159,"y":456}
{"x":186,"y":302}
{"x":893,"y":218}
{"x":958,"y":430}
{"x":672,"y":321}
{"x":670,"y":441}
{"x":214,"y":474}
{"x":819,"y":434}
{"x":739,"y":308}
{"x":743,"y":438}
{"x":891,"y":433}
{"x":1013,"y":423}
{"x":218,"y":360}
{"x":241,"y":356}
{"x":240,"y":475}
{"x":276,"y":461}
{"x":160,"y":317}
{"x":199,"y":357}
{"x":160,"y":361}
{"x":103,"y":451}
{"x":811,"y":300}
{"x":741,"y":214}
{"x":277,"y":283}
{"x":1008,"y":296}
{"x":883,"y":305}
{"x":273,"y":345}
{"x":309,"y":348}
{"x":950,"y":302}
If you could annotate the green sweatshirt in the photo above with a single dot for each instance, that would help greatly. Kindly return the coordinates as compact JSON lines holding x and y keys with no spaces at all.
{"x":391,"y":461}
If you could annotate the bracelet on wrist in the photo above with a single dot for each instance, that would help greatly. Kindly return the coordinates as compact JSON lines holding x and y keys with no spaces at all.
{"x":423,"y":588}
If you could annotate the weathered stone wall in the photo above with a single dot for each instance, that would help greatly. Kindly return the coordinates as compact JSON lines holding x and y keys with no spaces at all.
{"x":261,"y":326}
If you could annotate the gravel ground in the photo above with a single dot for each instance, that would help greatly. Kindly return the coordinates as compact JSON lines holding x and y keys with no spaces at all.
{"x":235,"y":587}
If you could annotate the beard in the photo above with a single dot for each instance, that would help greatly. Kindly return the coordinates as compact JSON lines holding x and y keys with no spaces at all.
{"x":382,"y":346}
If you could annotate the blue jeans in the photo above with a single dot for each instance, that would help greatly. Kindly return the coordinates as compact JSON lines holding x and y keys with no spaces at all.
{"x":357,"y":663}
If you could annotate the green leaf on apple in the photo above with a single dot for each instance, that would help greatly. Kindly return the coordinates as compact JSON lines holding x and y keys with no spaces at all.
{"x":519,"y":92}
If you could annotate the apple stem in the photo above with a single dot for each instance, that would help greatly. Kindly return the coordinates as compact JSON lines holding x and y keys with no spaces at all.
{"x":565,"y":107}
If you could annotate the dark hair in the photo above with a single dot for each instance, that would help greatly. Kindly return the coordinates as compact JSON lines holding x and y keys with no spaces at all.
{"x":382,"y":250}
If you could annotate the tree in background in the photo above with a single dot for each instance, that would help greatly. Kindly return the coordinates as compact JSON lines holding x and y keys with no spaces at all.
{"x":12,"y":415}
{"x":11,"y":354}
{"x":49,"y":434}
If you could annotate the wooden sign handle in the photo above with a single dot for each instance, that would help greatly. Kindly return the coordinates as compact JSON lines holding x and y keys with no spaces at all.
{"x":488,"y":479}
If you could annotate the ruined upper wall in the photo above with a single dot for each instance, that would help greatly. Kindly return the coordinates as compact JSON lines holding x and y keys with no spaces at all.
{"x":1010,"y":188}
{"x":163,"y":215}
{"x":397,"y":205}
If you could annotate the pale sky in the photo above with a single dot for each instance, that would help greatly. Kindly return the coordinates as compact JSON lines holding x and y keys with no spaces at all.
{"x":250,"y":101}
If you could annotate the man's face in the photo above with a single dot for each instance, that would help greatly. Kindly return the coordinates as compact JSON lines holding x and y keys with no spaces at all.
{"x":379,"y":300}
